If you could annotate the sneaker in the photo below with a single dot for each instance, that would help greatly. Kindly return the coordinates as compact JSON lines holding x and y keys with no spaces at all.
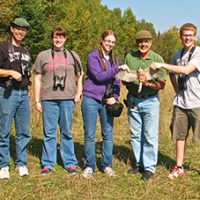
{"x":23,"y":170}
{"x":109,"y":172}
{"x":87,"y":173}
{"x":4,"y":173}
{"x":46,"y":170}
{"x":135,"y":170}
{"x":176,"y":172}
{"x":146,"y":175}
{"x":71,"y":170}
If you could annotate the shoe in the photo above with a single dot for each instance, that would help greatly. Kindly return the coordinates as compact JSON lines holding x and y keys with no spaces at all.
{"x":176,"y":172}
{"x":109,"y":172}
{"x":46,"y":170}
{"x":71,"y":170}
{"x":4,"y":173}
{"x":135,"y":170}
{"x":146,"y":175}
{"x":23,"y":170}
{"x":87,"y":173}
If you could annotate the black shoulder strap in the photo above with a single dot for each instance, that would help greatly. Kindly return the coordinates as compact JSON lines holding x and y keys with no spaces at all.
{"x":12,"y":52}
{"x":190,"y":53}
{"x":77,"y":66}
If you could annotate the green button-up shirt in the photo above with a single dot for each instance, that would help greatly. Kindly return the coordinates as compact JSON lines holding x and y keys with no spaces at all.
{"x":134,"y":62}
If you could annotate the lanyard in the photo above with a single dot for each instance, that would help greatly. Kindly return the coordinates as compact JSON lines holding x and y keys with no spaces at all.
{"x":190,"y":54}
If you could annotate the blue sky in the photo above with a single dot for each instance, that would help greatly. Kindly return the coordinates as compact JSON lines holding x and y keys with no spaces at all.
{"x":162,"y":13}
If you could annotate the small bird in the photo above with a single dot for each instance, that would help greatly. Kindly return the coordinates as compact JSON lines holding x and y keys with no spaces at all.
{"x":131,"y":76}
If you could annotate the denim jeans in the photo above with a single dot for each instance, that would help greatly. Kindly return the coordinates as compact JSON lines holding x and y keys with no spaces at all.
{"x":14,"y":104}
{"x":90,"y":110}
{"x":143,"y":118}
{"x":58,"y":112}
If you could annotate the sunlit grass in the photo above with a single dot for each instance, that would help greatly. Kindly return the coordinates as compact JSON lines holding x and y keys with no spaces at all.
{"x":60,"y":185}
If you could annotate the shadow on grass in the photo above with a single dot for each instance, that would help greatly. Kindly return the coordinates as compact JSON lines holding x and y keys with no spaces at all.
{"x":35,"y":149}
{"x":165,"y":161}
{"x":125,"y":154}
{"x":122,"y":153}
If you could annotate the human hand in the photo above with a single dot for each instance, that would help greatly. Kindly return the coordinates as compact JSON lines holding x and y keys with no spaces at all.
{"x":142,"y":76}
{"x":124,"y":67}
{"x":38,"y":107}
{"x":77,"y":98}
{"x":155,"y":66}
{"x":16,"y":75}
{"x":110,"y":101}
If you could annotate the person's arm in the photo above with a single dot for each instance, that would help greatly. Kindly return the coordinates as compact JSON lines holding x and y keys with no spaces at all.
{"x":185,"y":70}
{"x":37,"y":91}
{"x":94,"y":65}
{"x":79,"y":88}
{"x":8,"y":72}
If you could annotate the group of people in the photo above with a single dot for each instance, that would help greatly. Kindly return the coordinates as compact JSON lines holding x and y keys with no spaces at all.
{"x":59,"y":85}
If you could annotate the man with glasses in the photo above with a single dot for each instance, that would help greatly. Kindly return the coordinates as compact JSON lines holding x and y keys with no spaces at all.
{"x":185,"y":78}
{"x":14,"y":99}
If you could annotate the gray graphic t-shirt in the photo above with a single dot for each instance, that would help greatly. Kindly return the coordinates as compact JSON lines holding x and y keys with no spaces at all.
{"x":60,"y":65}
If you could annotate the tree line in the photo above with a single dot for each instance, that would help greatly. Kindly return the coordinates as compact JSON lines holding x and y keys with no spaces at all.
{"x":84,"y":21}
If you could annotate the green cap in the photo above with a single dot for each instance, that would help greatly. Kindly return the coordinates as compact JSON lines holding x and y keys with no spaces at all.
{"x":21,"y":22}
{"x":143,"y":34}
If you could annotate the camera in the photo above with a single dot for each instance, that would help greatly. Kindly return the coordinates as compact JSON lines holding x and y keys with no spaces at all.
{"x":59,"y":82}
{"x":109,"y":92}
{"x":26,"y":70}
{"x":182,"y":82}
{"x":9,"y":83}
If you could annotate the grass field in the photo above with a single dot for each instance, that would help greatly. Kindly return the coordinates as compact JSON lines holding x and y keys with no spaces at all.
{"x":60,"y":185}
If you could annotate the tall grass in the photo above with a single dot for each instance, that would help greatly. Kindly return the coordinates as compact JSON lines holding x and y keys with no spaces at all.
{"x":60,"y":185}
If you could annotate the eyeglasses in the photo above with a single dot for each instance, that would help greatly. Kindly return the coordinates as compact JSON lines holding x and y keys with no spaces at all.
{"x":110,"y":42}
{"x":187,"y":35}
{"x":58,"y":37}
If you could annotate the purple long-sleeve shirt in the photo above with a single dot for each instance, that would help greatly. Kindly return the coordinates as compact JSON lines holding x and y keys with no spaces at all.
{"x":97,"y":79}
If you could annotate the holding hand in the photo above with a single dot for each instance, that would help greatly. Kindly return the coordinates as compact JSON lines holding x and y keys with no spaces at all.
{"x":110,"y":101}
{"x":142,"y":77}
{"x":124,"y":67}
{"x":155,"y":66}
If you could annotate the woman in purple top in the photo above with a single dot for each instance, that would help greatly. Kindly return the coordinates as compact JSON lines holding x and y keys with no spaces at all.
{"x":102,"y":66}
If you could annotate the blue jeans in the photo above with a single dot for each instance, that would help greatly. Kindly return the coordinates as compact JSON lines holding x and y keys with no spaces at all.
{"x":143,"y":118}
{"x":14,"y":104}
{"x":58,"y":112}
{"x":90,"y":110}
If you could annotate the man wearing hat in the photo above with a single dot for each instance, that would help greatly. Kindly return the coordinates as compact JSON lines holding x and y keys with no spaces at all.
{"x":14,"y":99}
{"x":143,"y":106}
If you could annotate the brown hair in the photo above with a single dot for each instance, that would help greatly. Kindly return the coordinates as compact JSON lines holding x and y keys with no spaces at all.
{"x":111,"y":55}
{"x":188,"y":26}
{"x":58,"y":31}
